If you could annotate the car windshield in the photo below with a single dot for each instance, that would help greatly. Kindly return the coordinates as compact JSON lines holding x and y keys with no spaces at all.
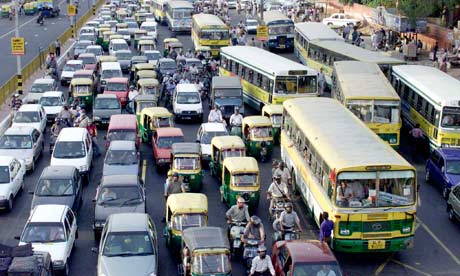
{"x":132,"y":25}
{"x":122,"y":134}
{"x":107,"y":104}
{"x":124,"y":55}
{"x":182,"y":221}
{"x":181,"y":14}
{"x":207,"y":136}
{"x":27,"y":117}
{"x":126,"y":244}
{"x":453,"y":167}
{"x":120,"y":46}
{"x":107,"y":74}
{"x":244,"y":180}
{"x":40,"y":87}
{"x":94,"y":50}
{"x":144,"y":104}
{"x":15,"y":142}
{"x":168,"y":65}
{"x":55,"y":187}
{"x":72,"y":67}
{"x":276,"y":119}
{"x":88,"y":60}
{"x":450,"y":117}
{"x":89,"y":37}
{"x":119,"y":195}
{"x":261,"y":132}
{"x":149,"y":90}
{"x":233,"y":153}
{"x":227,"y":93}
{"x":326,"y":269}
{"x":165,"y":142}
{"x":375,"y":189}
{"x":50,"y":101}
{"x":43,"y":233}
{"x":82,"y":45}
{"x":214,"y":34}
{"x":188,"y":98}
{"x":152,"y":56}
{"x":187,"y":163}
{"x":4,"y":174}
{"x":204,"y":264}
{"x":117,"y":86}
{"x":121,"y":157}
{"x":370,"y":111}
{"x":281,"y":29}
{"x":149,"y":28}
{"x":70,"y":150}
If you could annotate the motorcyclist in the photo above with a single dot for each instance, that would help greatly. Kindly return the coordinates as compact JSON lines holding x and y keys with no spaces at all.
{"x":254,"y":230}
{"x":132,"y":93}
{"x":238,"y":212}
{"x":175,"y":186}
{"x":194,"y":71}
{"x":16,"y":102}
{"x":236,"y":120}
{"x":276,"y":191}
{"x":261,"y":265}
{"x":215,"y":116}
{"x":289,"y":219}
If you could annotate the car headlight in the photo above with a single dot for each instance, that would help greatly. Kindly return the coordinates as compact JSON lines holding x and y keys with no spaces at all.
{"x":406,"y":229}
{"x":344,"y":232}
{"x":83,"y":168}
{"x":58,"y":263}
{"x":96,"y":118}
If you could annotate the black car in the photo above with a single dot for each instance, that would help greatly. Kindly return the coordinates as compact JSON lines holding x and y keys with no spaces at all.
{"x":59,"y":185}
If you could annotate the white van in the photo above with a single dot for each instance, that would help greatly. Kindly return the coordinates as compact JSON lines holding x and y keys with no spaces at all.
{"x":187,"y":102}
{"x":74,"y":146}
{"x":117,"y":45}
{"x":109,"y":70}
{"x":151,"y":28}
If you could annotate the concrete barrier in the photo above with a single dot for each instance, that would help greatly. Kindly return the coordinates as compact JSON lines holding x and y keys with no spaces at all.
{"x":5,"y":124}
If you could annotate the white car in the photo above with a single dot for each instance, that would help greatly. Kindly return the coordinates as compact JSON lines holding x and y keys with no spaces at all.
{"x":151,"y":28}
{"x":12,"y":171}
{"x":52,"y":102}
{"x":231,"y":4}
{"x":187,"y":102}
{"x":52,"y":228}
{"x":341,"y":20}
{"x":205,"y":133}
{"x":39,"y":86}
{"x":69,"y":69}
{"x":32,"y":115}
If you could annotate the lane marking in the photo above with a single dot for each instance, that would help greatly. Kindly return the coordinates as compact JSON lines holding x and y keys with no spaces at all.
{"x":382,"y":266}
{"x":144,"y":170}
{"x":411,"y":268}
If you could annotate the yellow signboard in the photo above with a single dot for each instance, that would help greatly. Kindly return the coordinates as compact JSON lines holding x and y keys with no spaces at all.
{"x":18,"y":46}
{"x":262,"y":33}
{"x":71,"y":10}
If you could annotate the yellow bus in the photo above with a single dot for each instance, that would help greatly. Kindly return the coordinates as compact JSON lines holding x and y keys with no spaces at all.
{"x":430,"y":98}
{"x":267,"y":78}
{"x":364,"y":90}
{"x":158,"y":8}
{"x":209,"y":30}
{"x":340,"y":166}
{"x":318,"y":47}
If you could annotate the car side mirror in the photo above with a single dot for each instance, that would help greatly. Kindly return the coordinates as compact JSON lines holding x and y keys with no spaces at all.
{"x":94,"y":250}
{"x":17,"y":238}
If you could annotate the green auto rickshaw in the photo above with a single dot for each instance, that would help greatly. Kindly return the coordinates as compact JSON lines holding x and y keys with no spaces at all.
{"x":82,"y":88}
{"x":275,"y":113}
{"x":205,"y":251}
{"x":153,"y":118}
{"x":100,"y":34}
{"x":240,"y":178}
{"x":184,"y":210}
{"x":257,"y":136}
{"x":223,"y":147}
{"x":106,"y":39}
{"x":149,"y":86}
{"x":136,"y":68}
{"x":140,"y":102}
{"x":5,"y":10}
{"x":186,"y":161}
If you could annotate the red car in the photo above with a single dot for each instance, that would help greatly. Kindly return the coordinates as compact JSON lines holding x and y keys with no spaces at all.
{"x":89,"y":61}
{"x":304,"y":257}
{"x":162,"y":142}
{"x":120,"y":87}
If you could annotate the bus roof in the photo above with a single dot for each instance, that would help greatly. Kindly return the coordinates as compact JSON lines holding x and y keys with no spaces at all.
{"x":180,"y":5}
{"x":265,"y":61}
{"x":436,"y":85}
{"x":208,"y":20}
{"x":342,"y":140}
{"x":316,"y":31}
{"x":276,"y":17}
{"x":363,"y":80}
{"x":354,"y":52}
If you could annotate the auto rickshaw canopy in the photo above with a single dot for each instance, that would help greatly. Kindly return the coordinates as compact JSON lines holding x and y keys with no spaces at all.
{"x":186,"y":148}
{"x":241,"y":164}
{"x":208,"y":237}
{"x":187,"y":203}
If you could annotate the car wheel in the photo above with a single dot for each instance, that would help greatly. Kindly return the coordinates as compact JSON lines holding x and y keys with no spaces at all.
{"x":445,"y":193}
{"x":451,"y":214}
{"x":10,"y":204}
{"x":427,"y":176}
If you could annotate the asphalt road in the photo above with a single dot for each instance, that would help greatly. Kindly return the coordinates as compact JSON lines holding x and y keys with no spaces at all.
{"x":436,"y":250}
{"x":37,"y":37}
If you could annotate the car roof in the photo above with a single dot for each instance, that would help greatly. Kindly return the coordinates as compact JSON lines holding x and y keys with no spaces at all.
{"x":48,"y":213}
{"x":125,"y":222}
{"x":74,"y":61}
{"x":52,"y":94}
{"x":309,"y":251}
{"x":169,"y":131}
{"x":122,"y":145}
{"x":106,"y":96}
{"x":186,"y":87}
{"x":58,"y":172}
{"x":207,"y":127}
{"x":122,"y":180}
{"x":19,"y":130}
{"x":44,"y":80}
{"x":5,"y":160}
{"x":123,"y":121}
{"x":86,"y":55}
{"x":30,"y":107}
{"x":72,"y":134}
{"x":450,"y":153}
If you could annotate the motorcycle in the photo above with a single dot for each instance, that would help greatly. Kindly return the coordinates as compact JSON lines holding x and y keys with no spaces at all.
{"x":249,"y":253}
{"x":278,"y":207}
{"x":236,"y":130}
{"x":41,"y":20}
{"x":236,"y":232}
{"x":290,"y":234}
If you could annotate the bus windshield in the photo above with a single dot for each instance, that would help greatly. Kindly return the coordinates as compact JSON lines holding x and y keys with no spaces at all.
{"x":281,"y":29}
{"x":295,"y":84}
{"x":450,"y":117}
{"x":182,"y":13}
{"x":370,"y":111}
{"x":375,"y":189}
{"x":214,"y":34}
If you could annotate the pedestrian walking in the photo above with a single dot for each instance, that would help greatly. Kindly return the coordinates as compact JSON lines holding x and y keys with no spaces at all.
{"x":92,"y":130}
{"x":418,"y":139}
{"x":326,"y":228}
{"x":57,"y":46}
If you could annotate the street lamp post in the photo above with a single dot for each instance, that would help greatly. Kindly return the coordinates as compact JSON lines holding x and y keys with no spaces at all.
{"x":18,"y":57}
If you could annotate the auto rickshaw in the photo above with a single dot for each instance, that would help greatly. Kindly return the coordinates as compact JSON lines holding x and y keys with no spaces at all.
{"x":205,"y":251}
{"x":223,"y":147}
{"x":205,"y":50}
{"x":149,"y":86}
{"x":275,"y":113}
{"x":145,"y":45}
{"x":240,"y":178}
{"x":140,"y":102}
{"x":30,"y":8}
{"x":5,"y":10}
{"x":140,"y":17}
{"x":257,"y":136}
{"x":106,"y":39}
{"x":186,"y":161}
{"x":153,"y":118}
{"x":141,"y":67}
{"x":100,"y":34}
{"x":83,"y":89}
{"x":145,"y":74}
{"x":137,"y":35}
{"x":176,"y":46}
{"x":121,"y":15}
{"x":115,"y":36}
{"x":169,"y":40}
{"x":184,"y":210}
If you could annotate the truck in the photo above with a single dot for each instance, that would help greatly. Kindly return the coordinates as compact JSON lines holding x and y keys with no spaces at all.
{"x":49,"y":8}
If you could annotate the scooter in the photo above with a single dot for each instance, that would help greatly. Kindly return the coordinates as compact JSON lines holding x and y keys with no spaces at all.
{"x":236,"y":130}
{"x":278,"y":208}
{"x":236,"y":232}
{"x":249,"y":253}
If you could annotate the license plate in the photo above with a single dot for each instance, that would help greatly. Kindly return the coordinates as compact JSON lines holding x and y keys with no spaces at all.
{"x":282,"y":46}
{"x":376,"y":244}
{"x":187,"y":117}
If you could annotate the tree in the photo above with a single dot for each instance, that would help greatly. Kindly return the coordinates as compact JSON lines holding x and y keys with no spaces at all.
{"x":415,"y":9}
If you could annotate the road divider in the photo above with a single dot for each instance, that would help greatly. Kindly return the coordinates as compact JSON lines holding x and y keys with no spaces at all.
{"x":5,"y":123}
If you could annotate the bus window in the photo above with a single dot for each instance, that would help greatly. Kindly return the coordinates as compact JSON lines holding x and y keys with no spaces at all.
{"x":307,"y":84}
{"x":362,"y":109}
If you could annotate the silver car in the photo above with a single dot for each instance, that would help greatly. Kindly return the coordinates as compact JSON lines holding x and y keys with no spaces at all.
{"x":121,"y":158}
{"x":40,"y":86}
{"x":105,"y":105}
{"x":23,"y":142}
{"x":124,"y":58}
{"x":130,"y":243}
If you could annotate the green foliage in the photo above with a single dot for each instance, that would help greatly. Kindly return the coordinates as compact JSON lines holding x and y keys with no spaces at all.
{"x":414,"y":9}
{"x":376,"y":3}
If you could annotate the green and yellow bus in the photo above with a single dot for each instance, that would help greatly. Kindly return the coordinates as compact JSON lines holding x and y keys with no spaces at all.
{"x":340,"y":166}
{"x":267,"y":78}
{"x":316,"y":46}
{"x":209,"y":30}
{"x":158,"y":8}
{"x":430,"y":98}
{"x":364,"y":90}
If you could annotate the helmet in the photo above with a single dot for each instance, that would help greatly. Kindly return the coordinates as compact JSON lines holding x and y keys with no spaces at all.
{"x":256,"y":220}
{"x":282,"y":163}
{"x":261,"y":248}
{"x":288,"y":205}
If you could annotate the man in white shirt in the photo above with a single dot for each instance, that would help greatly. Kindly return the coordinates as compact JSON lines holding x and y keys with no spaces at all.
{"x":276,"y":191}
{"x":215,"y":116}
{"x":132,"y":93}
{"x":262,"y":265}
{"x":236,"y":119}
{"x":284,"y":172}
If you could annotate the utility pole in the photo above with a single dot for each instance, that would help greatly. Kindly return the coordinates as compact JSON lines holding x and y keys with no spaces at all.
{"x":18,"y":57}
{"x":261,"y":11}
